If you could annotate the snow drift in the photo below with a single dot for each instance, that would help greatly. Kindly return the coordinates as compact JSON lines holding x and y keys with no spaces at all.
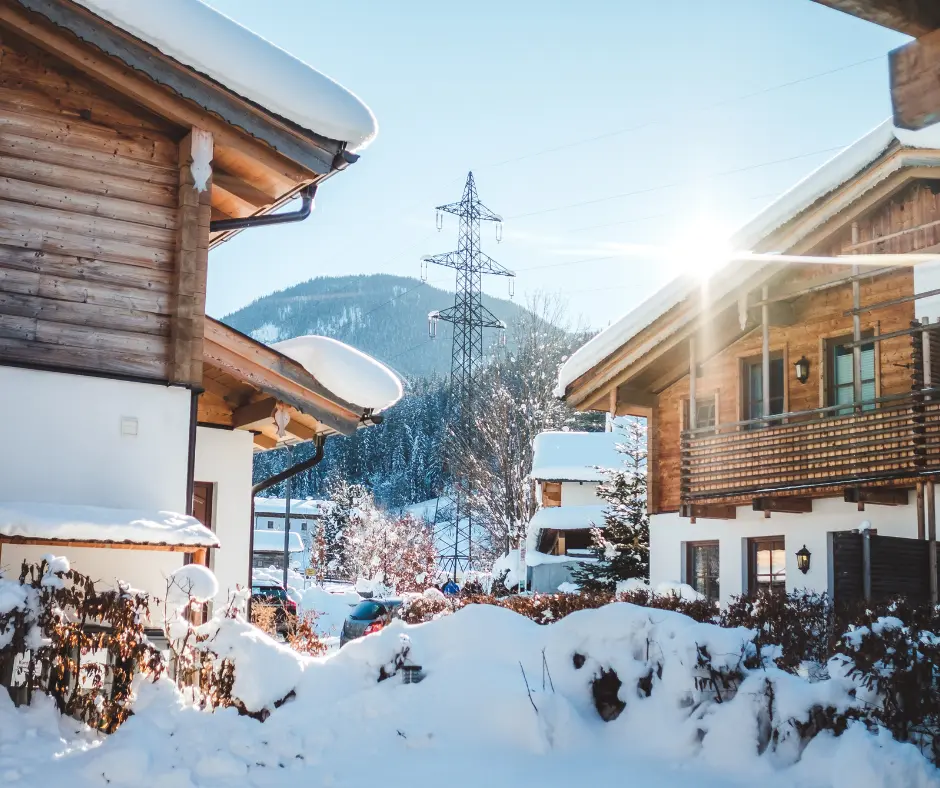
{"x":503,"y":699}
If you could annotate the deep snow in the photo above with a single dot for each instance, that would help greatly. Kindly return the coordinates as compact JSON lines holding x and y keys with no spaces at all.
{"x":471,"y":720}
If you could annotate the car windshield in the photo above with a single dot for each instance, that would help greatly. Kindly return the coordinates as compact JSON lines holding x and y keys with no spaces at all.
{"x":272,"y":592}
{"x":367,"y":610}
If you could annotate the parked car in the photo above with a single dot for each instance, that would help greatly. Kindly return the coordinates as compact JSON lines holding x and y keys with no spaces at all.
{"x":285,"y":609}
{"x":369,"y":616}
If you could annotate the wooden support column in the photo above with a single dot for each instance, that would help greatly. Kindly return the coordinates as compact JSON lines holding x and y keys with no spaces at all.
{"x":856,"y":329}
{"x":925,"y":342}
{"x":188,"y":298}
{"x":692,"y":365}
{"x":932,"y":539}
{"x":765,"y":353}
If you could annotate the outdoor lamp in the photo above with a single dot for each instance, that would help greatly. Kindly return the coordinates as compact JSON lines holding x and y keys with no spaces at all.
{"x":802,"y":369}
{"x":802,"y":559}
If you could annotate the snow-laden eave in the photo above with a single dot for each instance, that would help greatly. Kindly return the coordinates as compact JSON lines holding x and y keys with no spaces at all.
{"x":842,"y":168}
{"x":214,"y":45}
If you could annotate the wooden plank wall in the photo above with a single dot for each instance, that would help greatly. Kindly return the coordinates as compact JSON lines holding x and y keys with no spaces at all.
{"x":88,"y":221}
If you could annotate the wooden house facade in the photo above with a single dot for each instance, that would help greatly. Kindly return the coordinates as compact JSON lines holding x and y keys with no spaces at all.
{"x":123,"y":160}
{"x":791,"y":398}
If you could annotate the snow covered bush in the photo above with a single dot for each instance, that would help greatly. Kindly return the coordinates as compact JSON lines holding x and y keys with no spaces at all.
{"x":61,"y":636}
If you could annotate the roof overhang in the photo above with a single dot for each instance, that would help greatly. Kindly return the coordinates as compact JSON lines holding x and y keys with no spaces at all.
{"x":246,"y":382}
{"x":260,"y":160}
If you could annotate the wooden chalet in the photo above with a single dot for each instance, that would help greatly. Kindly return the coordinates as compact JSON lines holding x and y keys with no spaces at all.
{"x":790,"y":400}
{"x":128,"y":151}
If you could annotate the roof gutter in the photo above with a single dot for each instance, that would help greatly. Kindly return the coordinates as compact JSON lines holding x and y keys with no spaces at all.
{"x":299,"y":467}
{"x":266,"y":220}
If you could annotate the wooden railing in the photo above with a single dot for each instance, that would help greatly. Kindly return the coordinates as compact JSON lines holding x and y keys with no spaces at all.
{"x":895,"y":437}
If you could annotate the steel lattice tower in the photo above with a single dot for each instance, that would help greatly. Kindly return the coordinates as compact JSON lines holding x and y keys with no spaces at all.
{"x":469,"y":317}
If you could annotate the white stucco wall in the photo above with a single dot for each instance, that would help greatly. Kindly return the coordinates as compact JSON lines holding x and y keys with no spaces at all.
{"x":579,"y":494}
{"x":223,"y":457}
{"x":65,"y":438}
{"x":66,"y":434}
{"x":669,"y":534}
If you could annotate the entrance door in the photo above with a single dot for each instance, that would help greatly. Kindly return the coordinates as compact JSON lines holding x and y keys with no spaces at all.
{"x":202,"y":507}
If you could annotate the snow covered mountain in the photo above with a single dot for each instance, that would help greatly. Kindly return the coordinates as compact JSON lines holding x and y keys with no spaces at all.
{"x":383,"y":315}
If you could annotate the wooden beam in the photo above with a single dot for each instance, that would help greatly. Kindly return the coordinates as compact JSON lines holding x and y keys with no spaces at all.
{"x":263,"y":441}
{"x":913,"y":17}
{"x":301,"y":431}
{"x":254,"y":415}
{"x":631,"y":397}
{"x":789,"y":504}
{"x":188,"y":300}
{"x":167,"y":548}
{"x":915,"y":82}
{"x":709,"y":511}
{"x":878,"y":496}
{"x":244,"y":191}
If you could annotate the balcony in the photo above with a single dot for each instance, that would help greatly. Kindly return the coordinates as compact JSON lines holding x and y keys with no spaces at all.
{"x":893,"y":440}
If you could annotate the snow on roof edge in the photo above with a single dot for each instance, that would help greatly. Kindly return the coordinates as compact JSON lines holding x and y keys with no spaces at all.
{"x":80,"y":523}
{"x":246,"y":64}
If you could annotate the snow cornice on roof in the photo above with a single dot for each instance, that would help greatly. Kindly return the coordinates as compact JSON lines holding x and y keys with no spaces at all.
{"x":844,"y":167}
{"x":199,"y":37}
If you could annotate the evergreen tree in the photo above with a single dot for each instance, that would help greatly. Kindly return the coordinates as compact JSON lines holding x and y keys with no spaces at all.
{"x":622,"y":547}
{"x":345,"y":500}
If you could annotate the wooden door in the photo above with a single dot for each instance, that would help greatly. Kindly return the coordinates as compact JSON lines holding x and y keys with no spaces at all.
{"x":202,"y":506}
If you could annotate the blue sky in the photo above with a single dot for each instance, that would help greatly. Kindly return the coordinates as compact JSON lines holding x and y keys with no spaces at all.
{"x":600,"y":130}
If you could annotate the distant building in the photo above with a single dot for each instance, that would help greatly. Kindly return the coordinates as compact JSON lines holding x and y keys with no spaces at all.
{"x":268,"y":550}
{"x":305,"y":513}
{"x":566,"y":469}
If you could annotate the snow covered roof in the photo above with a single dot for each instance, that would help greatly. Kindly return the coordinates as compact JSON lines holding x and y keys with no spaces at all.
{"x":69,"y":523}
{"x":346,"y":372}
{"x":211,"y":43}
{"x":575,"y":456}
{"x":568,"y":518}
{"x":273,"y":542}
{"x":298,"y":506}
{"x":840,"y":169}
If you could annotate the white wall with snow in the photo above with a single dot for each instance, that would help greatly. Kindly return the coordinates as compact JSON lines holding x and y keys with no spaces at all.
{"x":223,"y":457}
{"x":66,"y":433}
{"x":669,"y":534}
{"x":580,"y":494}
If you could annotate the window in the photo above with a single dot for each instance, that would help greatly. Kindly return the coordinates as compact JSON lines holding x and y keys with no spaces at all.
{"x":753,"y":385}
{"x":551,"y":493}
{"x":303,"y":526}
{"x":767,"y":564}
{"x":841,"y":377}
{"x":702,"y":569}
{"x":270,"y":524}
{"x":705,"y":412}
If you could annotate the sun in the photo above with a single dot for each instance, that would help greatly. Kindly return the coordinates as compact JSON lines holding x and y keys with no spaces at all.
{"x":701,"y":247}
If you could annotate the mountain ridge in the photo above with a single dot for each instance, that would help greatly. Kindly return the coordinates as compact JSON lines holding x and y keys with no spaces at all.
{"x":383,"y":315}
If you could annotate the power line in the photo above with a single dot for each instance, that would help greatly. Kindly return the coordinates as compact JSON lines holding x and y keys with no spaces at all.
{"x":703,"y":108}
{"x":672,"y":185}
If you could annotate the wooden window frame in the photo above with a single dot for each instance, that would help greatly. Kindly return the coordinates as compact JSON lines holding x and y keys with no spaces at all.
{"x":751,"y":359}
{"x":753,"y":544}
{"x":690,"y":564}
{"x":684,"y":410}
{"x":828,"y":346}
{"x":204,"y":492}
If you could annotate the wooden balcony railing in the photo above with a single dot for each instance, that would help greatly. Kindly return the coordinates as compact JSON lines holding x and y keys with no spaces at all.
{"x":895,"y":437}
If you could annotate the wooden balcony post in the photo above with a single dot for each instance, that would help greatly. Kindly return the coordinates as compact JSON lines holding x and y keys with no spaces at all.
{"x":925,"y":341}
{"x":692,"y":365}
{"x":932,"y":540}
{"x":765,"y":353}
{"x":856,"y":331}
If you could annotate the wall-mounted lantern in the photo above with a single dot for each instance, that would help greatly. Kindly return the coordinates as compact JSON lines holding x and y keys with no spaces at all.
{"x":802,"y":559}
{"x":802,"y":369}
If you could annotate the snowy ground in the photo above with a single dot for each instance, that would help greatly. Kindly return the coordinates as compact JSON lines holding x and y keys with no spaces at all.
{"x":471,"y":720}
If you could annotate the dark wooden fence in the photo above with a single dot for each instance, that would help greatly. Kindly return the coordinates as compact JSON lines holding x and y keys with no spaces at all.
{"x":889,"y":566}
